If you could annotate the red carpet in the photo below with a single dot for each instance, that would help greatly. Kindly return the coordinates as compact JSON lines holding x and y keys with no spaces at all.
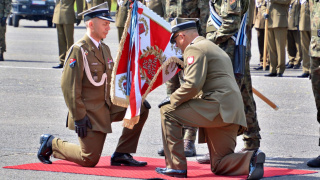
{"x":103,"y":168}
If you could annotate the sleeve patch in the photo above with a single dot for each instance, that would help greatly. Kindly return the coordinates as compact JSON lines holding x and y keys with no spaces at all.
{"x":72,"y":62}
{"x":190,"y":59}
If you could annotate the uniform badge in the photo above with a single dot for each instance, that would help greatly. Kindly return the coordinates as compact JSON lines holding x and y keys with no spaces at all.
{"x":233,"y":4}
{"x":110,"y":60}
{"x":86,"y":52}
{"x":72,"y":62}
{"x":190,"y":59}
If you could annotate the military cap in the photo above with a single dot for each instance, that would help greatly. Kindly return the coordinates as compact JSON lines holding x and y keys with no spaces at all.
{"x":181,"y":24}
{"x":100,"y":11}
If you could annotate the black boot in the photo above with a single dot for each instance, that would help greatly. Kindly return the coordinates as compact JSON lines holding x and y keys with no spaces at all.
{"x":1,"y":56}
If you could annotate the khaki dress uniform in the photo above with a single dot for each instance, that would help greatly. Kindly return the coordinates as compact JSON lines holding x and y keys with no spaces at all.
{"x":64,"y":18}
{"x":277,"y":34}
{"x":293,"y":36}
{"x":305,"y":35}
{"x":315,"y":52}
{"x":5,"y":6}
{"x":217,"y":110}
{"x":259,"y":25}
{"x":83,"y":98}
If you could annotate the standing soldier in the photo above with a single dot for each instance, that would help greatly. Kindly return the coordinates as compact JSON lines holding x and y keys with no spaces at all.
{"x":305,"y":35}
{"x":64,"y":18}
{"x":293,"y":37}
{"x":259,"y":25}
{"x":277,"y":36}
{"x":223,"y":38}
{"x":5,"y":6}
{"x":315,"y":62}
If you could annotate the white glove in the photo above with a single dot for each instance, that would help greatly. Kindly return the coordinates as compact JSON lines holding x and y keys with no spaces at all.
{"x":88,"y":1}
{"x":120,"y":2}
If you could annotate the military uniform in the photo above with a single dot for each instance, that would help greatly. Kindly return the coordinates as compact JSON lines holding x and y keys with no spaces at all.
{"x":64,"y":18}
{"x":277,"y":35}
{"x":305,"y":35}
{"x":259,"y":24}
{"x":293,"y":36}
{"x":5,"y":7}
{"x":83,"y":98}
{"x":189,"y":9}
{"x":158,"y":6}
{"x":218,"y":110}
{"x":222,"y":37}
{"x":315,"y":62}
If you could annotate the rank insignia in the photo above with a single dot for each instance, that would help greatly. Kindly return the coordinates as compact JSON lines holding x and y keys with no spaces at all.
{"x":190,"y":59}
{"x":72,"y":62}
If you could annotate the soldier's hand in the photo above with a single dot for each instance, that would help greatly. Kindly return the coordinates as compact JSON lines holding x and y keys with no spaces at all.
{"x":78,"y":21}
{"x":164,"y":102}
{"x":81,"y":126}
{"x":179,"y":66}
{"x":3,"y":21}
{"x":266,"y":16}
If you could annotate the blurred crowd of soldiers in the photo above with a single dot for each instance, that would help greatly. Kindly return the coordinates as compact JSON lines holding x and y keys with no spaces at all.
{"x":291,"y":23}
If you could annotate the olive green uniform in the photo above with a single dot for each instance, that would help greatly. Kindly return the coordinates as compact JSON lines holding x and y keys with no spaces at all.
{"x":231,"y":17}
{"x":84,"y":98}
{"x":277,"y":34}
{"x":305,"y":35}
{"x":64,"y":18}
{"x":259,"y":25}
{"x":315,"y":51}
{"x":217,"y":110}
{"x":158,"y":6}
{"x":293,"y":36}
{"x":5,"y":7}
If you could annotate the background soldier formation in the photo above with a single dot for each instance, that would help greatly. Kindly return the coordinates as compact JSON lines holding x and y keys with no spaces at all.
{"x":5,"y":6}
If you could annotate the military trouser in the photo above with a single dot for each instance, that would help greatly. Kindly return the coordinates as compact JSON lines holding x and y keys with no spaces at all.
{"x":315,"y":81}
{"x":305,"y":43}
{"x":65,"y":39}
{"x":91,"y":146}
{"x":189,"y":133}
{"x":251,"y":136}
{"x":2,"y":39}
{"x":277,"y":38}
{"x":220,"y":136}
{"x":260,"y":36}
{"x":294,"y":47}
{"x":189,"y":9}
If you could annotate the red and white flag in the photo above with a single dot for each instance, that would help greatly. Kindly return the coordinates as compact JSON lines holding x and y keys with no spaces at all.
{"x":146,"y":59}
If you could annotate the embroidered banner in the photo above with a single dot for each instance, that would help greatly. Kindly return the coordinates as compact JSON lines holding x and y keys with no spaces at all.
{"x":145,"y":60}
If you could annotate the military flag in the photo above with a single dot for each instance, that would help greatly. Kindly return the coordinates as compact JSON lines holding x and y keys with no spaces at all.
{"x":145,"y":60}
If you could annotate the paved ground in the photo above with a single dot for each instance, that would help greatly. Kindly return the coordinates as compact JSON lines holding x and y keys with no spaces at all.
{"x":31,"y":104}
